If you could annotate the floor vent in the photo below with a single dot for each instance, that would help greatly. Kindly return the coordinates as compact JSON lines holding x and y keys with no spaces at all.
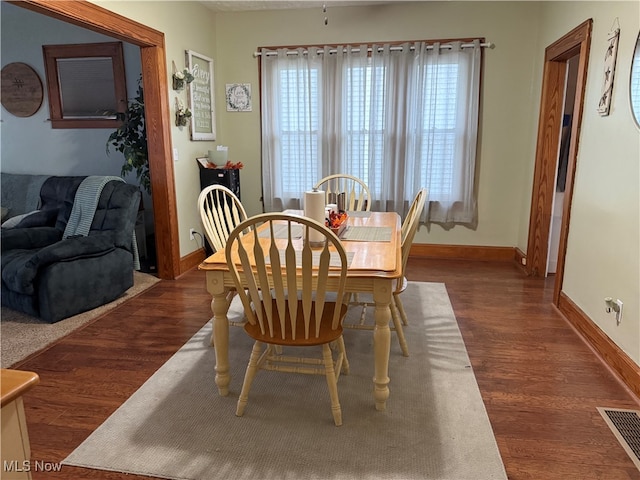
{"x":625,"y":425}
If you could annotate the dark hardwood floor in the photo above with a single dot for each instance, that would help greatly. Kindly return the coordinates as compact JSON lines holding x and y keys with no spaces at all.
{"x":540,"y":382}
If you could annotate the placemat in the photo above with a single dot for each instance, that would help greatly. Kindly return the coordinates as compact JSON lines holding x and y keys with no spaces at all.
{"x":281,"y":231}
{"x":358,"y":214}
{"x":356,"y":233}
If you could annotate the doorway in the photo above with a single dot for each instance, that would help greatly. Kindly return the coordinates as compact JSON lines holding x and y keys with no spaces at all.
{"x":563,"y":163}
{"x":157,"y":114}
{"x":569,"y":52}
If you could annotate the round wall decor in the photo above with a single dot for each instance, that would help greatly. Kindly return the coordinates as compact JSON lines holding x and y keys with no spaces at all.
{"x":22,"y":92}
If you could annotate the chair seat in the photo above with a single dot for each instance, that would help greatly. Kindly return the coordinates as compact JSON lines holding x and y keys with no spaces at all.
{"x":400,"y":285}
{"x":327,"y":334}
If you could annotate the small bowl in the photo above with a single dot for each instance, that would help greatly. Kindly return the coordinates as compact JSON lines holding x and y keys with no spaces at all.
{"x":338,"y":230}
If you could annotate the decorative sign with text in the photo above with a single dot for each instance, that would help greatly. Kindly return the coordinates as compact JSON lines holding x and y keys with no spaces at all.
{"x":201,"y":99}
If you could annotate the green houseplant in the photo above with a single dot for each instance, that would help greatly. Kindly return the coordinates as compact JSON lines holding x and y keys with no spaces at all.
{"x":130,"y":139}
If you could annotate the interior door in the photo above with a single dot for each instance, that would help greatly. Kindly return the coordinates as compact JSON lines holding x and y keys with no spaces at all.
{"x":576,"y":43}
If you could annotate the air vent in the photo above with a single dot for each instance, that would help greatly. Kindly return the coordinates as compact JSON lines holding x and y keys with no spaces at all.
{"x":625,"y":425}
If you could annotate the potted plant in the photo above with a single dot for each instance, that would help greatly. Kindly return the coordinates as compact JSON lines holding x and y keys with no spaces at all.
{"x":182,"y":115}
{"x":130,"y":139}
{"x":180,"y":78}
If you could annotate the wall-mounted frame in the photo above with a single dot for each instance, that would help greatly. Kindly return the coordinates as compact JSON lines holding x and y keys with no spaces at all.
{"x":86,"y":84}
{"x":201,"y":98}
{"x":22,"y":91}
{"x":610,"y":55}
{"x":238,"y":96}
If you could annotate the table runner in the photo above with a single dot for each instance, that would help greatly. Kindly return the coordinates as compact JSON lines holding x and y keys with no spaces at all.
{"x":334,"y":259}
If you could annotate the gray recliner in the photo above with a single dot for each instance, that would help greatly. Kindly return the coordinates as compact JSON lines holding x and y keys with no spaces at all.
{"x":53,"y":278}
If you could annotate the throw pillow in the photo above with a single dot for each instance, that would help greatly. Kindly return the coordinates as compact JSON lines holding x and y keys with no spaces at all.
{"x":40,"y":218}
{"x":14,"y":221}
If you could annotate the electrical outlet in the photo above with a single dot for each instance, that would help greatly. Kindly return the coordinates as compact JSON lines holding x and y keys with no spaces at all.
{"x":614,"y":306}
{"x":192,"y":233}
{"x":618,"y":310}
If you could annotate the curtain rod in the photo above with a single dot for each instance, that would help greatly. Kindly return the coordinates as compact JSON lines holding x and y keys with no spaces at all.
{"x":271,"y":53}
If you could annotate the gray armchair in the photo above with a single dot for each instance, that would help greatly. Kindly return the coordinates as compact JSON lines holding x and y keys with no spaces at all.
{"x":53,"y":278}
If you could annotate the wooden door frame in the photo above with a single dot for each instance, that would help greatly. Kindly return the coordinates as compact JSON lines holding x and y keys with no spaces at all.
{"x":157,"y":115}
{"x":576,"y":42}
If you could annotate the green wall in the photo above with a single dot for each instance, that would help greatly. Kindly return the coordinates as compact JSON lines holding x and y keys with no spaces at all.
{"x":603,"y":249}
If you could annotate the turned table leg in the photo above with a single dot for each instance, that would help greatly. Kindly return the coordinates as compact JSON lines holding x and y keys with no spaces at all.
{"x":220,"y":336}
{"x":381,"y":341}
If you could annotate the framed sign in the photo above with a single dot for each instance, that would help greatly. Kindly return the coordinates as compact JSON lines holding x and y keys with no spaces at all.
{"x":238,"y":97}
{"x":201,"y":99}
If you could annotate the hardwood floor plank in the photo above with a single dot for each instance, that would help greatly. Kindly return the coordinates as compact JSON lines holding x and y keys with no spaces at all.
{"x":541,"y":383}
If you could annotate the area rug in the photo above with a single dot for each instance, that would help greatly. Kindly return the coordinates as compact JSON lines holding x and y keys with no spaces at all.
{"x":176,"y":426}
{"x":22,"y":335}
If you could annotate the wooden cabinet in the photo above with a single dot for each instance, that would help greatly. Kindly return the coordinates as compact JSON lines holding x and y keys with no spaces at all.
{"x":14,"y":439}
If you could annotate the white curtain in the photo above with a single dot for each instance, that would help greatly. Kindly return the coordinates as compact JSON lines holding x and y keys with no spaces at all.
{"x":400,"y":119}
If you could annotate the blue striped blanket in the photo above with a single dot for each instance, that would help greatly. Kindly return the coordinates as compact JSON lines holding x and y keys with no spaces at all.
{"x":84,"y":209}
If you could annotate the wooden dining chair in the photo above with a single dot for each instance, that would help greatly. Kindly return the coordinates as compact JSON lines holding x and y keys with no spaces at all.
{"x":409,"y":229}
{"x":357,"y":197}
{"x":398,"y":314}
{"x":220,"y":212}
{"x":286,"y":299}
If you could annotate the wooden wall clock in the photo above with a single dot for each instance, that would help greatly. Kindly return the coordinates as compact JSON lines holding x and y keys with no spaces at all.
{"x":22,"y":91}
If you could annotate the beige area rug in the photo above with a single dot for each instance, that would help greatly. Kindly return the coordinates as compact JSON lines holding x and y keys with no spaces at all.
{"x":176,"y":425}
{"x":22,"y":335}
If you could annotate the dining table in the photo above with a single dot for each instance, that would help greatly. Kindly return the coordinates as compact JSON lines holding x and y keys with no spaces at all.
{"x":372,"y":241}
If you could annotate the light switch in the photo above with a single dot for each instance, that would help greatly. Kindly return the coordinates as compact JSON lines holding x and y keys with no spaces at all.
{"x":175,"y":154}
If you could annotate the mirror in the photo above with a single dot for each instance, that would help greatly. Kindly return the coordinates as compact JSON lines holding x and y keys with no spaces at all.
{"x":634,"y":84}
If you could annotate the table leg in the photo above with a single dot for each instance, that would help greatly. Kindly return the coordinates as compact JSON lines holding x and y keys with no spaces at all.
{"x":381,"y":341}
{"x":220,"y":336}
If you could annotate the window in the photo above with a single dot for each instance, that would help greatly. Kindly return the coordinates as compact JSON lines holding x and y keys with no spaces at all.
{"x":400,"y":119}
{"x":86,"y":84}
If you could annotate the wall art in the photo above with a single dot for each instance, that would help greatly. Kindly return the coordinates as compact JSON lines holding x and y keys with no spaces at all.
{"x":610,"y":56}
{"x":238,"y":96}
{"x":201,"y":98}
{"x":22,"y":91}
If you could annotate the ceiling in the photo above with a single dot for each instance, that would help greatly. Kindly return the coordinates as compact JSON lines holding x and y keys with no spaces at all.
{"x":245,"y":5}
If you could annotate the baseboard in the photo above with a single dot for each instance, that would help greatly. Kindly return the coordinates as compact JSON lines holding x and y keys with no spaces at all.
{"x":463,"y":252}
{"x":192,"y":260}
{"x":611,"y":354}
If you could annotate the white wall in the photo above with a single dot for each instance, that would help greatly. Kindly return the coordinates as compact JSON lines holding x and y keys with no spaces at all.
{"x":603,"y":251}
